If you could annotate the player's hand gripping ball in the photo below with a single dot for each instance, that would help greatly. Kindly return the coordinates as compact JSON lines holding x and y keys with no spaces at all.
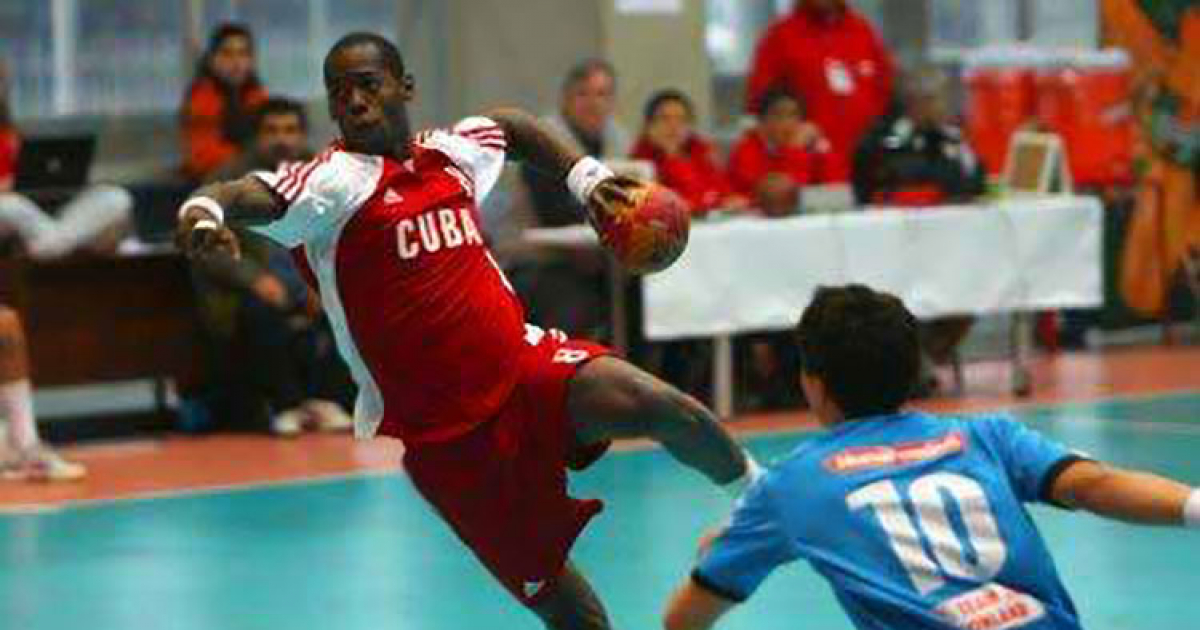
{"x":643,"y":224}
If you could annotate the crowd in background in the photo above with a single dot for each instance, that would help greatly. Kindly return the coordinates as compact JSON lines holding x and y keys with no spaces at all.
{"x":827,"y":108}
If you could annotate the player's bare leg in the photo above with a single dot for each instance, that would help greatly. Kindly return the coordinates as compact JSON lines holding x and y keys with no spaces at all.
{"x":571,"y":604}
{"x":611,"y":399}
{"x":22,"y":454}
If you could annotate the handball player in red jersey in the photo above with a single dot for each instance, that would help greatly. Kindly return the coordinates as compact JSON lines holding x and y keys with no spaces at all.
{"x":492,"y":411}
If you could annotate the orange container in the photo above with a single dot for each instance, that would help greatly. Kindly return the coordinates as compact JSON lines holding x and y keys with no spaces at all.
{"x":1000,"y":98}
{"x":1087,"y":100}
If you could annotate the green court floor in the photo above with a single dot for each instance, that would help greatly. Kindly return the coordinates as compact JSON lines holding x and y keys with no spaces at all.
{"x":365,"y":554}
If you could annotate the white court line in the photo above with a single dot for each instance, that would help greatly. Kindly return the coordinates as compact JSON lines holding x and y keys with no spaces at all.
{"x":232,"y":488}
{"x":1176,"y":428}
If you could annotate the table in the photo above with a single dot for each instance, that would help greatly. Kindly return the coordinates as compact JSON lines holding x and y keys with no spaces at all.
{"x":93,"y":319}
{"x":747,"y":275}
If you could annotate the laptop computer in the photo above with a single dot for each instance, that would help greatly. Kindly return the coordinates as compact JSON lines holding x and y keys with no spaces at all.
{"x":52,"y":169}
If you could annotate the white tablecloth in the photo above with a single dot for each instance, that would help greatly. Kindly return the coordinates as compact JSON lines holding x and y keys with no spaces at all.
{"x":750,"y":275}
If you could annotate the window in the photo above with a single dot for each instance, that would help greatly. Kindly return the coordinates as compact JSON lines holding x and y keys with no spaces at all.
{"x":1065,"y":23}
{"x":292,"y":36}
{"x":128,"y":57}
{"x":734,"y":28}
{"x":69,"y":57}
{"x":27,"y":54}
{"x":957,"y":25}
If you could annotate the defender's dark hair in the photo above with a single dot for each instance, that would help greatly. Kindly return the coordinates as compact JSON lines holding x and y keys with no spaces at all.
{"x":663,"y":97}
{"x":279,"y":106}
{"x":392,"y":59}
{"x":864,"y":346}
{"x":776,"y":94}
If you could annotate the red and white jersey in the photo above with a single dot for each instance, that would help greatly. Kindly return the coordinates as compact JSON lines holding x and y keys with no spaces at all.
{"x":423,"y":316}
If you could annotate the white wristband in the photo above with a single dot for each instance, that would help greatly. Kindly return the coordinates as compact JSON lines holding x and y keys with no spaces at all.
{"x":585,"y":176}
{"x":1191,"y":510}
{"x":208,"y":204}
{"x":753,"y":472}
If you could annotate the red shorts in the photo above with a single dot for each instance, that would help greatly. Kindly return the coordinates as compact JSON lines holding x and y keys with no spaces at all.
{"x":503,"y":486}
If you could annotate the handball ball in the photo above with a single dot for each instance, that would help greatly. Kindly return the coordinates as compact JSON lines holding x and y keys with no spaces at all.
{"x":648,"y":235}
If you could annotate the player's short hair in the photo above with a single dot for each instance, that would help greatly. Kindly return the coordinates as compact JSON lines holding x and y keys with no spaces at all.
{"x":584,"y":70}
{"x":775,"y":95}
{"x":863,"y":345}
{"x":280,"y":106}
{"x":392,"y":59}
{"x":663,"y":97}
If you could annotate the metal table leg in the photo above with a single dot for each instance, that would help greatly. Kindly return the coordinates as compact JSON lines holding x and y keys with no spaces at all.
{"x":1021,"y":340}
{"x":723,"y":376}
{"x":617,"y":306}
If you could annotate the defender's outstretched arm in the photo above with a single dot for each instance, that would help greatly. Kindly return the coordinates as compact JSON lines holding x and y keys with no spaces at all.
{"x":1133,"y":496}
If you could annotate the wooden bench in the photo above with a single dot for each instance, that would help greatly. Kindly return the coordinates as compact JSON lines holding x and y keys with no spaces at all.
{"x":103,"y":319}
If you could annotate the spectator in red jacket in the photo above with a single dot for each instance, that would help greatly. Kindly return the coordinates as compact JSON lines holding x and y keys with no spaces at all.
{"x":684,"y":161}
{"x":217,"y":117}
{"x":830,"y":56}
{"x":782,"y":154}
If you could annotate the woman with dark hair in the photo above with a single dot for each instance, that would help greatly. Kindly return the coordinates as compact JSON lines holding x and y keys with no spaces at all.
{"x":683,"y":160}
{"x":218,"y":108}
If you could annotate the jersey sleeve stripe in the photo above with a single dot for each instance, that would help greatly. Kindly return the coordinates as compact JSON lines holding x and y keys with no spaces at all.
{"x":295,"y":171}
{"x":285,"y":174}
{"x":498,"y":139}
{"x":296,"y":184}
{"x":300,"y":175}
{"x":482,"y":129}
{"x":485,"y":131}
{"x":482,"y":134}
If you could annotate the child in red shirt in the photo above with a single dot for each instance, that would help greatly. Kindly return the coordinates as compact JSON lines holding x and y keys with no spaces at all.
{"x":782,"y":154}
{"x":683,"y":161}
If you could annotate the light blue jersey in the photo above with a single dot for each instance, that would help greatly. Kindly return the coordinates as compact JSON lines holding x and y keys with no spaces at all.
{"x":917,"y":521}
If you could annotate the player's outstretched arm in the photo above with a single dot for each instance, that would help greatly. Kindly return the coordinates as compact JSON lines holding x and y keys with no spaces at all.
{"x":532,"y":142}
{"x":205,"y":218}
{"x":695,"y":608}
{"x":1136,"y":497}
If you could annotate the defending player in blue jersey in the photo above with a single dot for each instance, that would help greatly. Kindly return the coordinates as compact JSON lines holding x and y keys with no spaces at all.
{"x":917,"y":521}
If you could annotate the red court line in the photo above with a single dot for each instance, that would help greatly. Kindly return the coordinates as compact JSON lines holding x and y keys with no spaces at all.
{"x":184,"y":464}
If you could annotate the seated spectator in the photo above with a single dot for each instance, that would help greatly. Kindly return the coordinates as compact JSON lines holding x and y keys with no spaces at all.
{"x":95,"y":217}
{"x":23,"y":456}
{"x":830,"y":56}
{"x":780,"y":155}
{"x":567,"y":290}
{"x":216,"y":116}
{"x":918,"y":156}
{"x":274,"y":364}
{"x":683,"y":160}
{"x":585,"y":117}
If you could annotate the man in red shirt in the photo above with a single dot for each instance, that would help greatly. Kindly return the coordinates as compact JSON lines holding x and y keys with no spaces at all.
{"x":782,"y":154}
{"x":684,"y":161}
{"x":831,"y":57}
{"x":492,"y":411}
